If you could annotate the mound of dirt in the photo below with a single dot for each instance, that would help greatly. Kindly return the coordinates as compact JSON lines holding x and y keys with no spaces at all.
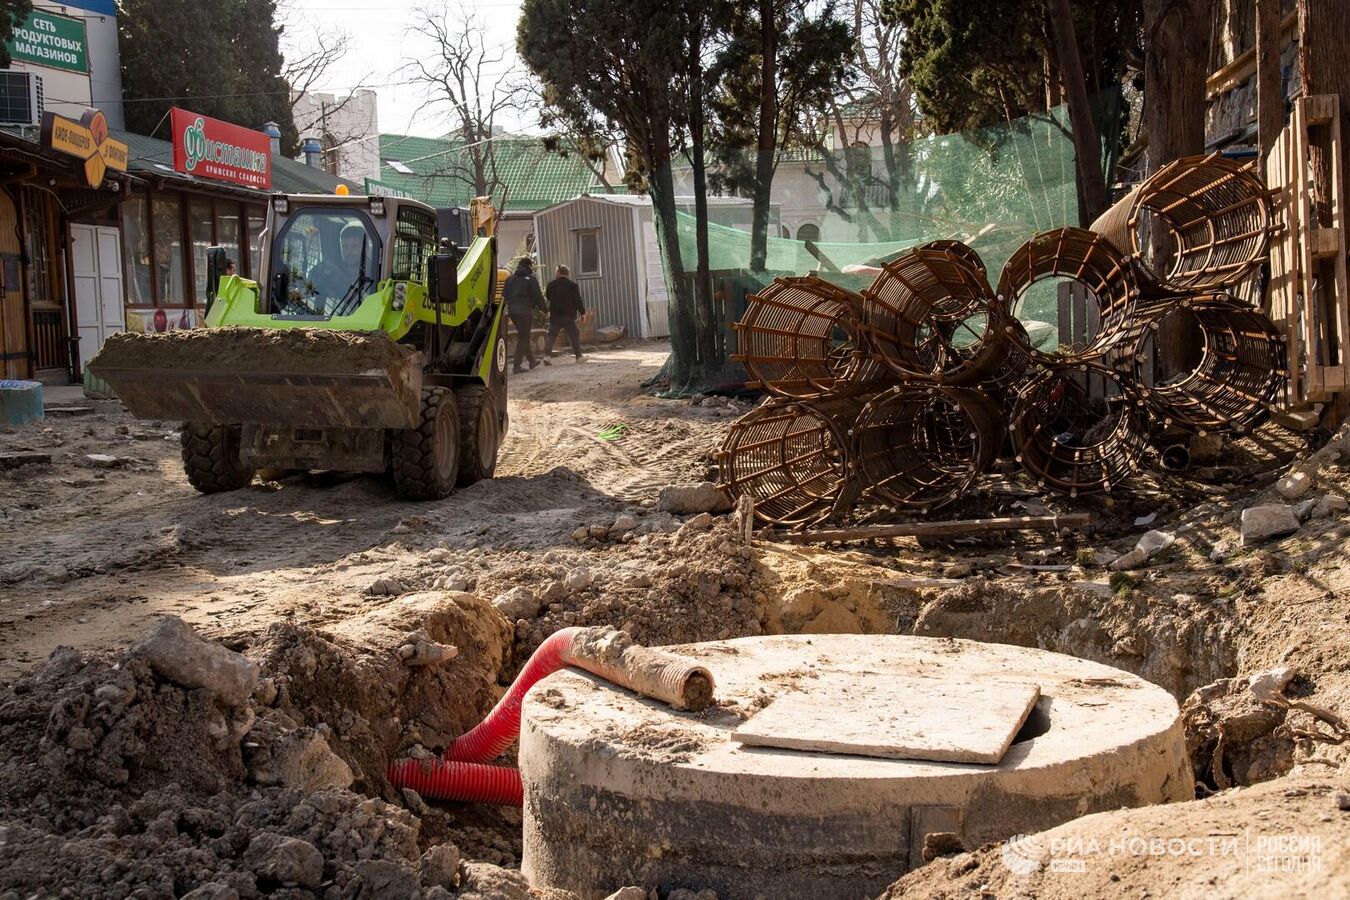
{"x":122,"y":780}
{"x":299,"y":350}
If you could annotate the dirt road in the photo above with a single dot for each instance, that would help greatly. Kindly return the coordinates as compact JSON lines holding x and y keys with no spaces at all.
{"x":92,"y":554}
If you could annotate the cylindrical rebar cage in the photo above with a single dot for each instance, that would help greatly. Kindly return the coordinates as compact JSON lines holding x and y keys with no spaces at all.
{"x":1073,"y":442}
{"x":1083,"y":257}
{"x":1239,"y":374}
{"x":931,"y":316}
{"x":919,"y":446}
{"x":1198,"y":223}
{"x":791,"y":458}
{"x":959,"y":249}
{"x":798,"y":338}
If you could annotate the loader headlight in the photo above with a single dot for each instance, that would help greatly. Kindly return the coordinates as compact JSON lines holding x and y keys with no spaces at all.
{"x":400,"y":295}
{"x":280,"y":204}
{"x":376,"y":206}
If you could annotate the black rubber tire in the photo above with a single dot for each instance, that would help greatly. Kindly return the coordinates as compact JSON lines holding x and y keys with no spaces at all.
{"x":426,"y":458}
{"x":211,"y":457}
{"x":478,"y":434}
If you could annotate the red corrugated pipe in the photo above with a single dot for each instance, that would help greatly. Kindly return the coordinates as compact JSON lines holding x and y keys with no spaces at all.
{"x":460,"y":781}
{"x":601,"y":651}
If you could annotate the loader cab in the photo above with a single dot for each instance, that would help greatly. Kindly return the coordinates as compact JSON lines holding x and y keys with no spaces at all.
{"x":325,"y":258}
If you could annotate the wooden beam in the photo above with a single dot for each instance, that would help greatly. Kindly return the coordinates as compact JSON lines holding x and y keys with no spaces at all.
{"x":1245,"y":63}
{"x":938,"y":529}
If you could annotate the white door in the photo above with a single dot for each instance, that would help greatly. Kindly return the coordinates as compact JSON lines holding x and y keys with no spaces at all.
{"x":97,"y":256}
{"x":658,"y":303}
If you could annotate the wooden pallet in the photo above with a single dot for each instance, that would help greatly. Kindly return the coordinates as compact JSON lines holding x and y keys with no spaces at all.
{"x":1309,"y":296}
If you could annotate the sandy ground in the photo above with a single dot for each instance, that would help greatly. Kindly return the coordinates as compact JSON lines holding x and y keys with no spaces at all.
{"x":94,"y":555}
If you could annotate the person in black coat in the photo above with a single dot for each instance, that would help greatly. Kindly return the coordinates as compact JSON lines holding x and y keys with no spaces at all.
{"x":522,"y":295}
{"x":564,"y":305}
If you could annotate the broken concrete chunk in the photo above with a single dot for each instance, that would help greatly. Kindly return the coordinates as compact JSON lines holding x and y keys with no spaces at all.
{"x":700,"y":522}
{"x":284,"y":861}
{"x":580,"y":534}
{"x":1150,"y":542}
{"x":1305,"y":508}
{"x":103,"y":460}
{"x":426,"y":653}
{"x":687,"y":499}
{"x":1262,"y":523}
{"x":623,"y":524}
{"x":386,"y":587}
{"x":628,"y":893}
{"x":179,"y":654}
{"x":517,"y":603}
{"x":1294,"y":485}
{"x":1269,"y":686}
{"x":578,"y":579}
{"x":599,"y":532}
{"x":440,"y":866}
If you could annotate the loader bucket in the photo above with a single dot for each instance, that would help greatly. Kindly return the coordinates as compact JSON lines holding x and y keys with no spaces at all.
{"x":305,"y":377}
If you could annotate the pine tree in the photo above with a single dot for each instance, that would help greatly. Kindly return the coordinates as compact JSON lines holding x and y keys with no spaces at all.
{"x":13,"y":13}
{"x":220,"y":58}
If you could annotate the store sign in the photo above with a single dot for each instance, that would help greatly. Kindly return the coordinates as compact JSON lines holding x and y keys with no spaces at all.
{"x":210,"y":148}
{"x":86,"y":140}
{"x":57,"y":42}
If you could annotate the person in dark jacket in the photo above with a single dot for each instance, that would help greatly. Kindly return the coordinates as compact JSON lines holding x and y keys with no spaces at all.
{"x":523,"y":296}
{"x":564,"y":305}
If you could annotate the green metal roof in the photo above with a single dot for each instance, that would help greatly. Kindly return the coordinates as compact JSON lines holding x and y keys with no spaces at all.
{"x":151,"y":156}
{"x":533,"y":177}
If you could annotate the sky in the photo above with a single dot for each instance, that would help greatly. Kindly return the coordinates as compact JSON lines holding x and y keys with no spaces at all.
{"x":380,"y":45}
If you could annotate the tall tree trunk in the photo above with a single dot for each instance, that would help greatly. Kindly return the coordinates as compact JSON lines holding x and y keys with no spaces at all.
{"x":707,"y":319}
{"x":683,"y":326}
{"x":1269,"y":91}
{"x":1176,"y":59}
{"x":1087,"y":147}
{"x":767,"y":144}
{"x":1324,"y":68}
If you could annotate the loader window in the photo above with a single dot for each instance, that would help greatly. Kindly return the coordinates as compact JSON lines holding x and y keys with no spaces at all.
{"x":414,"y":241}
{"x":327,"y":261}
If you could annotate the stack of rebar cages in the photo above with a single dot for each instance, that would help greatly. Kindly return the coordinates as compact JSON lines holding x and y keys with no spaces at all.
{"x":905,"y":393}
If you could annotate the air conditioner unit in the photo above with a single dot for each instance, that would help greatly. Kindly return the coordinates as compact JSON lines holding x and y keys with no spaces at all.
{"x":20,"y":98}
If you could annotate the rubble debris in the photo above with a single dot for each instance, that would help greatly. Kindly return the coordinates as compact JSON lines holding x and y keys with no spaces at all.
{"x":174,"y":650}
{"x":1264,"y":523}
{"x":104,"y":460}
{"x":517,"y":603}
{"x":688,"y":499}
{"x":15,"y":459}
{"x":1150,"y":543}
{"x":1295,"y":485}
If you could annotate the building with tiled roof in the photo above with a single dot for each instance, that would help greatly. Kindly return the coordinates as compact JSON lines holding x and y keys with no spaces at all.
{"x":438,"y":171}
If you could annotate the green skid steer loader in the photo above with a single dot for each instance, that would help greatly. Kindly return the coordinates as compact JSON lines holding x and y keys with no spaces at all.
{"x":373,"y":344}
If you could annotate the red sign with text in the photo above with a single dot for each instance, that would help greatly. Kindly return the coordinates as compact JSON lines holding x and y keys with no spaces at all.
{"x":209,"y":148}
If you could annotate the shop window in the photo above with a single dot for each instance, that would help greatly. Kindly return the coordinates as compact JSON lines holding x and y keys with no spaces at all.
{"x":136,"y":250}
{"x":227,"y":232}
{"x":170,"y":263}
{"x":256,"y":223}
{"x":414,"y":241}
{"x":39,"y":249}
{"x":202,"y":222}
{"x":588,"y":253}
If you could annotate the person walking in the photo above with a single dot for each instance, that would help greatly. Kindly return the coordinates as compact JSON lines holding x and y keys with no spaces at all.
{"x":564,"y":305}
{"x":523,"y":296}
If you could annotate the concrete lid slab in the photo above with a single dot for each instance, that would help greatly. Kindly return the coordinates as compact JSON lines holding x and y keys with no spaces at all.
{"x":895,"y":716}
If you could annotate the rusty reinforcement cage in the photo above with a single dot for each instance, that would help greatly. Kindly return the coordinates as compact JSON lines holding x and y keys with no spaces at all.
{"x":1197,"y":224}
{"x":920,"y":446}
{"x":792,"y":458}
{"x":931,"y":316}
{"x":799,"y":339}
{"x":1238,"y":374}
{"x":1074,"y":443}
{"x":1085,"y":257}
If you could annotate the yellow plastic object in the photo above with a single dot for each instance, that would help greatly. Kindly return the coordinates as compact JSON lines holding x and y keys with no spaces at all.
{"x":342,"y":190}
